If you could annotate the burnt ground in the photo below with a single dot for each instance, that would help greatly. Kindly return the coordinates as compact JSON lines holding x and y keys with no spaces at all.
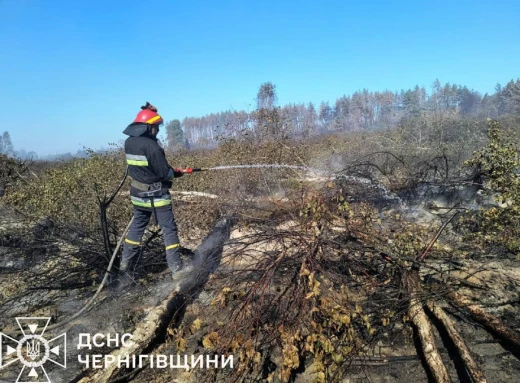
{"x":494,"y":284}
{"x":398,"y":358}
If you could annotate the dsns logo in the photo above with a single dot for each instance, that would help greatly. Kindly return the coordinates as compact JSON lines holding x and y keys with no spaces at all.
{"x":33,"y":350}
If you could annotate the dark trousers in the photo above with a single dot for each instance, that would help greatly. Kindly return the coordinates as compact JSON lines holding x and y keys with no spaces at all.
{"x":167,"y":223}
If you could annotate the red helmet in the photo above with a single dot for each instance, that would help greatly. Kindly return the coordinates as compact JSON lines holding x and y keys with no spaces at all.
{"x":149,"y":115}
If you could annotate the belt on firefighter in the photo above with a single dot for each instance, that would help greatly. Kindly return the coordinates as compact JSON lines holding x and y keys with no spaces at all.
{"x":150,"y":191}
{"x":146,"y":187}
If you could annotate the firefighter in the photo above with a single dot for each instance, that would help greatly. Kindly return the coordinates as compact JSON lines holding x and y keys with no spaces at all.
{"x":151,"y":178}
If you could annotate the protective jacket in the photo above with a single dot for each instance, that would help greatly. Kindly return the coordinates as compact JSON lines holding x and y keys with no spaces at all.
{"x":149,"y":170}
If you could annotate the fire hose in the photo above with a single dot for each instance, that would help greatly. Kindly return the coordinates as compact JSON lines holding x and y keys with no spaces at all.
{"x":105,"y":278}
{"x":112,"y":259}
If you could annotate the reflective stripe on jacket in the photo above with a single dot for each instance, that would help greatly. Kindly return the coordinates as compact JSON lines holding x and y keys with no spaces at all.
{"x":147,"y":164}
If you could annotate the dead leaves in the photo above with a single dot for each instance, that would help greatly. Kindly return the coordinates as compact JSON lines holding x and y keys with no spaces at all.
{"x":210,"y":341}
{"x":195,"y":326}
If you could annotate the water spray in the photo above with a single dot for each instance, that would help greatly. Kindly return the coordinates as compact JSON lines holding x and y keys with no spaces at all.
{"x":255,"y":166}
{"x":387,"y":194}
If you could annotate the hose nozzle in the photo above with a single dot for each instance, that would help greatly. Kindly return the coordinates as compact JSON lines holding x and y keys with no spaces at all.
{"x":191,"y":170}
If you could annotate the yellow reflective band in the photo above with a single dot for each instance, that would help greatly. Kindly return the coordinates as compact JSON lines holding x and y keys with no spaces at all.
{"x":172,"y":246}
{"x":137,"y":163}
{"x":155,"y":203}
{"x":132,"y":242}
{"x":153,"y":119}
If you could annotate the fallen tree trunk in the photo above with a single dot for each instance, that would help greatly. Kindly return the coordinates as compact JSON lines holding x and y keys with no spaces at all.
{"x":158,"y":318}
{"x":492,"y":323}
{"x":431,"y":353}
{"x":424,"y":329}
{"x":474,"y":371}
{"x":143,"y":337}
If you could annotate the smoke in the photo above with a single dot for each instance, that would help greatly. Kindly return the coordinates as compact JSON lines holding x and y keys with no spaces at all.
{"x":384,"y":192}
{"x":367,"y":183}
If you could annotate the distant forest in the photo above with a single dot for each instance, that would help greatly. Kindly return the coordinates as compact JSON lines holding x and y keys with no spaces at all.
{"x":7,"y":149}
{"x":363,"y":110}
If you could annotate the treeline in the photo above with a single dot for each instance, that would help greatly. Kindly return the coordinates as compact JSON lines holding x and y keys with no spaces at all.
{"x":6,"y":145}
{"x":363,"y":110}
{"x":7,"y":149}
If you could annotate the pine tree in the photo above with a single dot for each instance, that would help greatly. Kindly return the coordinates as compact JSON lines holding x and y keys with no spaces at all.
{"x":6,"y":145}
{"x":174,"y":134}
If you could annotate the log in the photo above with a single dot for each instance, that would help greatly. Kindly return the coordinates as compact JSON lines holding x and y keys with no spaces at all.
{"x":143,"y":336}
{"x":422,"y":324}
{"x":431,"y":353}
{"x":474,"y":371}
{"x":490,"y":322}
{"x":205,"y":259}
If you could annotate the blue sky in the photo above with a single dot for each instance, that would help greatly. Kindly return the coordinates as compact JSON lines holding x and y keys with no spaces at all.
{"x":74,"y":73}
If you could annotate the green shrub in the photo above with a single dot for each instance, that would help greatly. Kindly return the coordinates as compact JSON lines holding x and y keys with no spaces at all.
{"x":70,"y":191}
{"x":499,"y":163}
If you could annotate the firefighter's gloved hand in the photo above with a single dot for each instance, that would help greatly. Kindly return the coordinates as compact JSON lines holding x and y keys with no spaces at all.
{"x":178,"y":172}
